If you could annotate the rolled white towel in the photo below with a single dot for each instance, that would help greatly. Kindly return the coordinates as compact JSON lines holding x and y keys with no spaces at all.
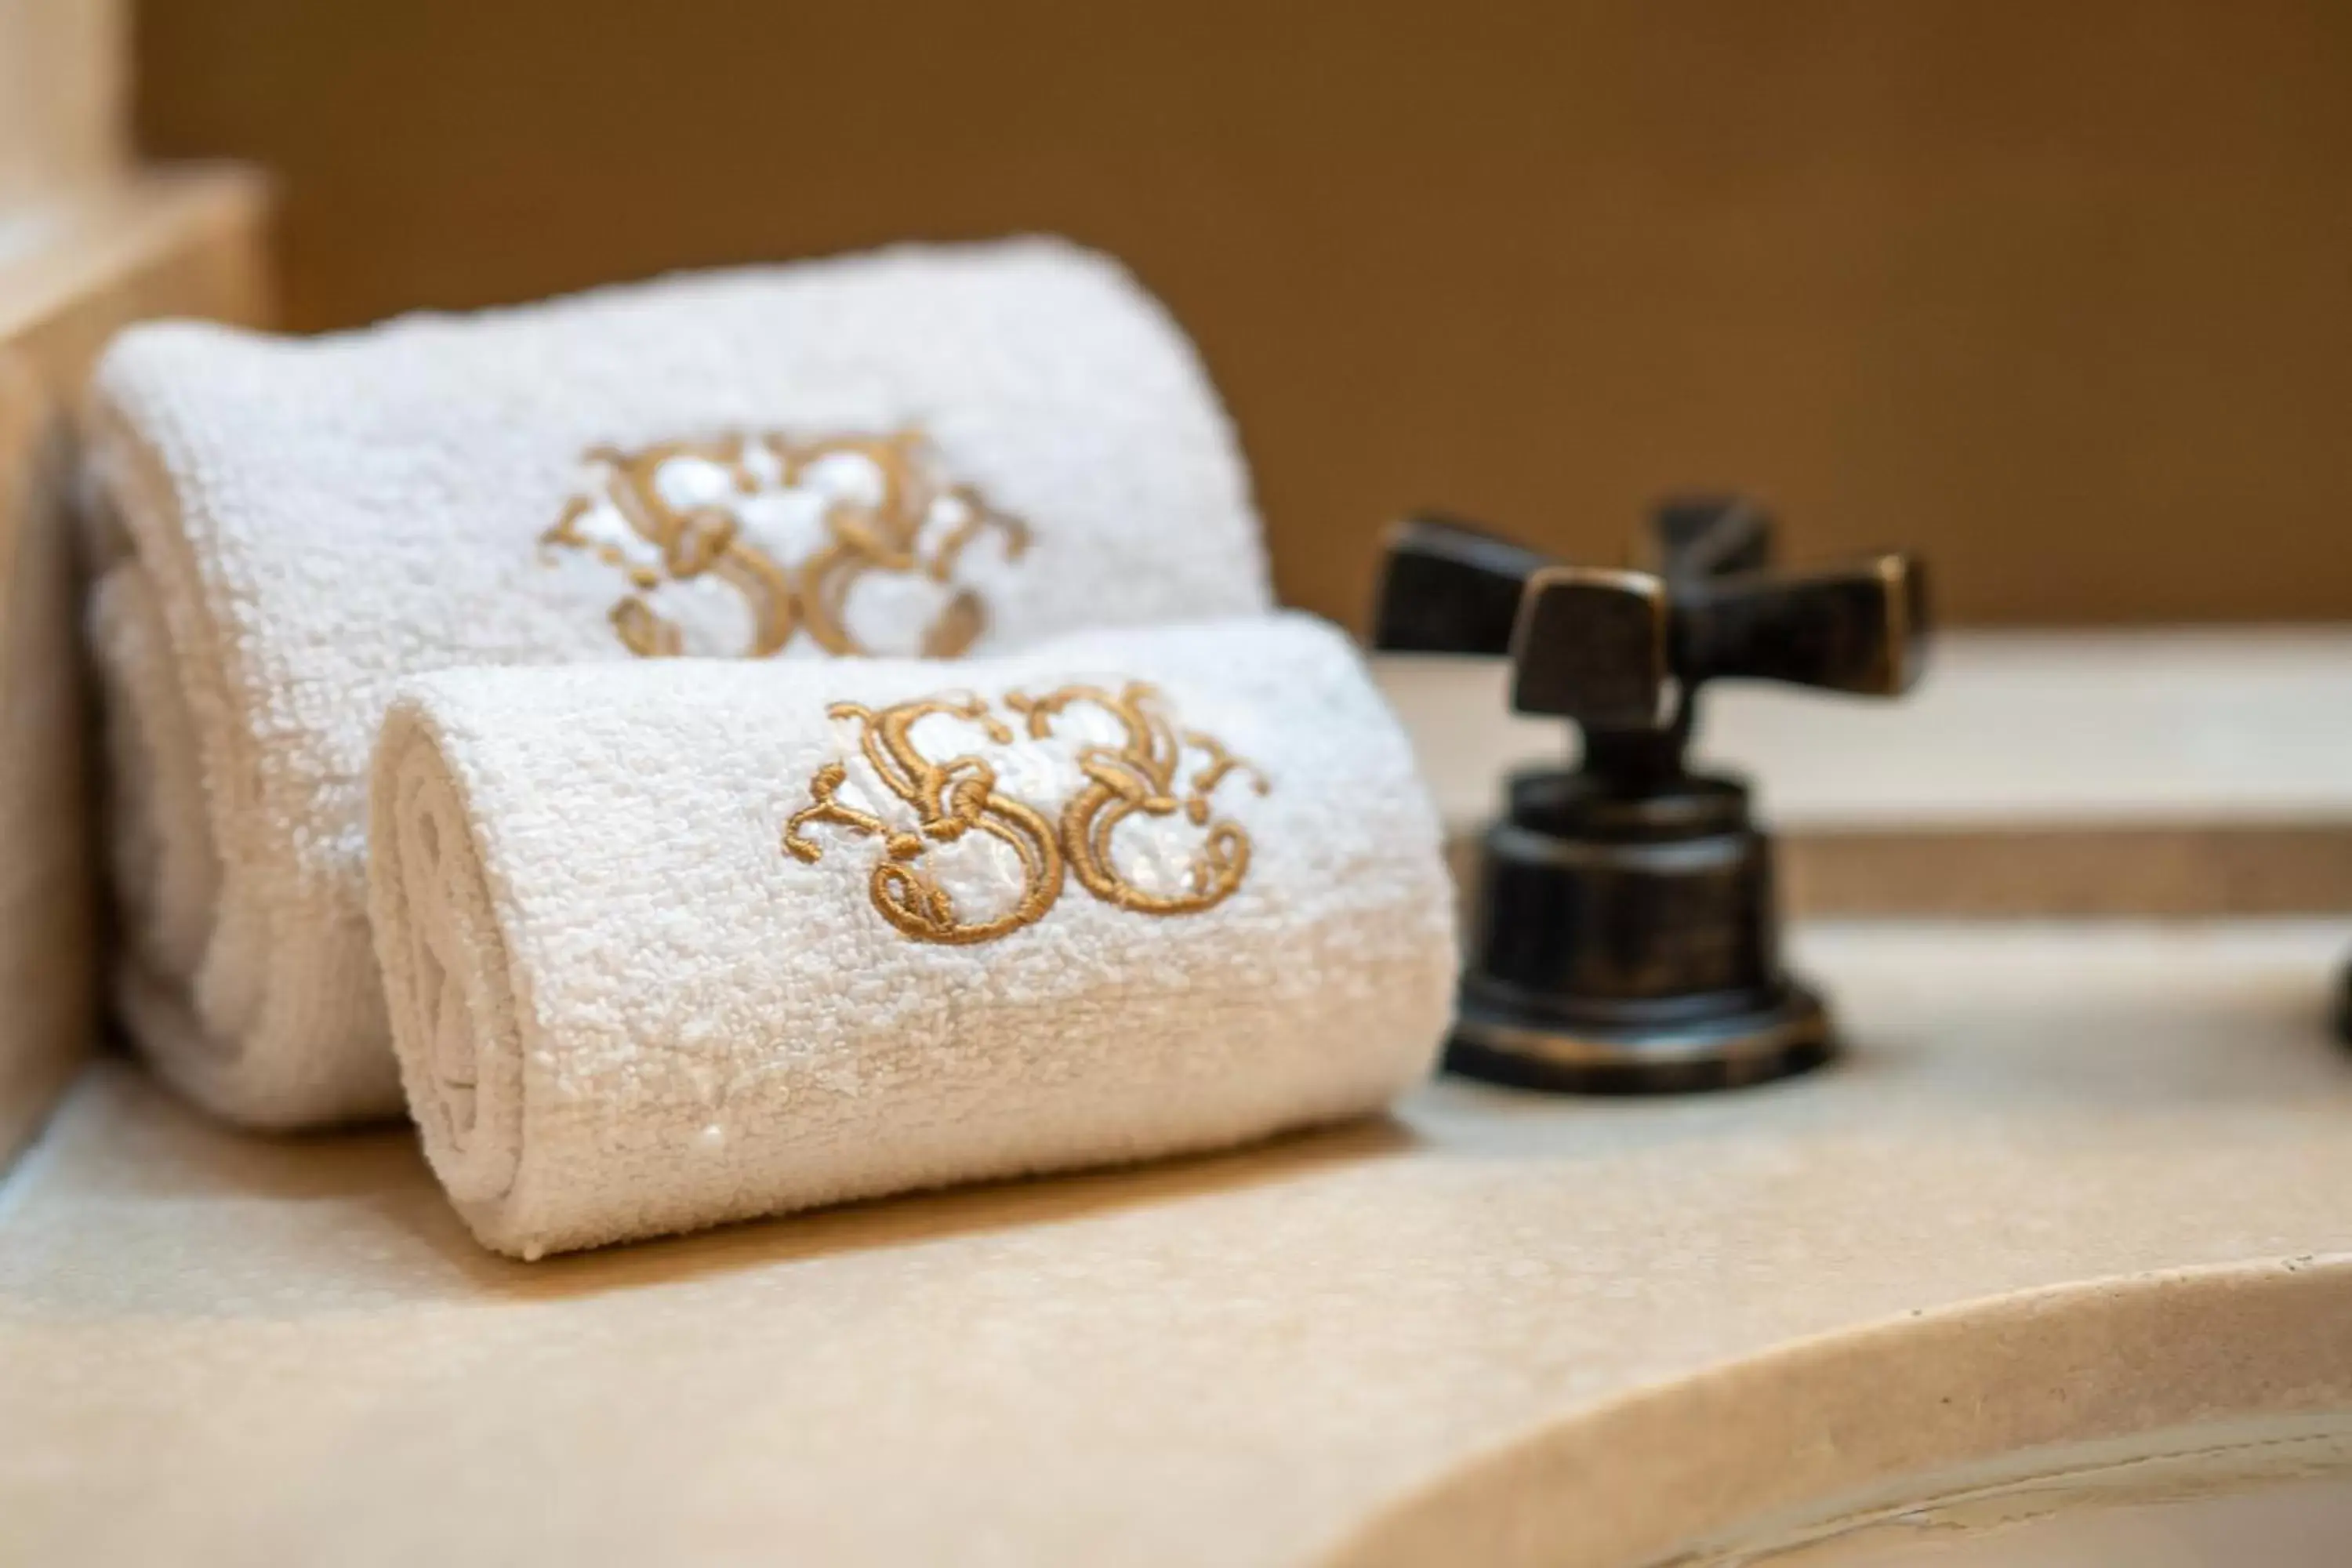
{"x":672,"y":945}
{"x":913,"y":452}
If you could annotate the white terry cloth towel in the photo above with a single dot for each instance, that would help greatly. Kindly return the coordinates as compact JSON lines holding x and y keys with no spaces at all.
{"x":913,"y":452}
{"x":672,"y":945}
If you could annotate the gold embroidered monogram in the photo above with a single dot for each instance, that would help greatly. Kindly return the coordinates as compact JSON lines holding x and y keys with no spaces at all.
{"x":950,"y":799}
{"x":1139,"y":776}
{"x":791,"y":527}
{"x":1135,"y":778}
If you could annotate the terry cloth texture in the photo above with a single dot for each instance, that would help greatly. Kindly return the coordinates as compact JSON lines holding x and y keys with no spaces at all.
{"x":914,"y":451}
{"x":668,"y":945}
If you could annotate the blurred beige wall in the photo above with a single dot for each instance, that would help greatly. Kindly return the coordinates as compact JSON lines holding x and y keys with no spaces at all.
{"x":2060,"y":292}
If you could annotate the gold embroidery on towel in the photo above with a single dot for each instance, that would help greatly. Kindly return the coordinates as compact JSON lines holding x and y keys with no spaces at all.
{"x":859,"y":536}
{"x":1139,"y":776}
{"x":950,"y":799}
{"x":960,"y":795}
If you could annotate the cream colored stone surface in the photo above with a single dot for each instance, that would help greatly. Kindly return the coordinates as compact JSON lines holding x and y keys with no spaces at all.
{"x":186,"y":242}
{"x":45,"y":884}
{"x":164,"y":242}
{"x":2073,"y":1182}
{"x":2171,"y":772}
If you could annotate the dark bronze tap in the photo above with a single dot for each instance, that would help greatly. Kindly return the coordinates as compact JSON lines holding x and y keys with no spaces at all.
{"x":1626,"y":936}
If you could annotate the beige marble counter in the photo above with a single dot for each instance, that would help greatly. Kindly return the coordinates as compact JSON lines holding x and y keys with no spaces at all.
{"x":2074,"y":1182}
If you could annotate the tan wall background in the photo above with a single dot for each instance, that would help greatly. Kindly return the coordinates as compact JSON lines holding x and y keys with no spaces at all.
{"x":2062,"y":293}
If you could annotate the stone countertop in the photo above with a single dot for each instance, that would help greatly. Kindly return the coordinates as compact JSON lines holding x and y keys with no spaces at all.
{"x":1496,"y":1327}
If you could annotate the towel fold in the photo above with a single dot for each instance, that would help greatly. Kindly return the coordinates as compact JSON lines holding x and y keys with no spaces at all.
{"x":668,"y":945}
{"x":913,"y":452}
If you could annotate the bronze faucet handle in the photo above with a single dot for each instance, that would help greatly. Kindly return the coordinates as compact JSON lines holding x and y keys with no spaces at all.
{"x":1597,"y":647}
{"x":1621,"y":650}
{"x":1859,"y":627}
{"x":1696,"y":536}
{"x":1450,"y":587}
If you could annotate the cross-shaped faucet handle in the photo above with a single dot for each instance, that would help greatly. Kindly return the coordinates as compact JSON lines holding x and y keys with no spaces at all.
{"x":1624,"y":932}
{"x":1621,"y":652}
